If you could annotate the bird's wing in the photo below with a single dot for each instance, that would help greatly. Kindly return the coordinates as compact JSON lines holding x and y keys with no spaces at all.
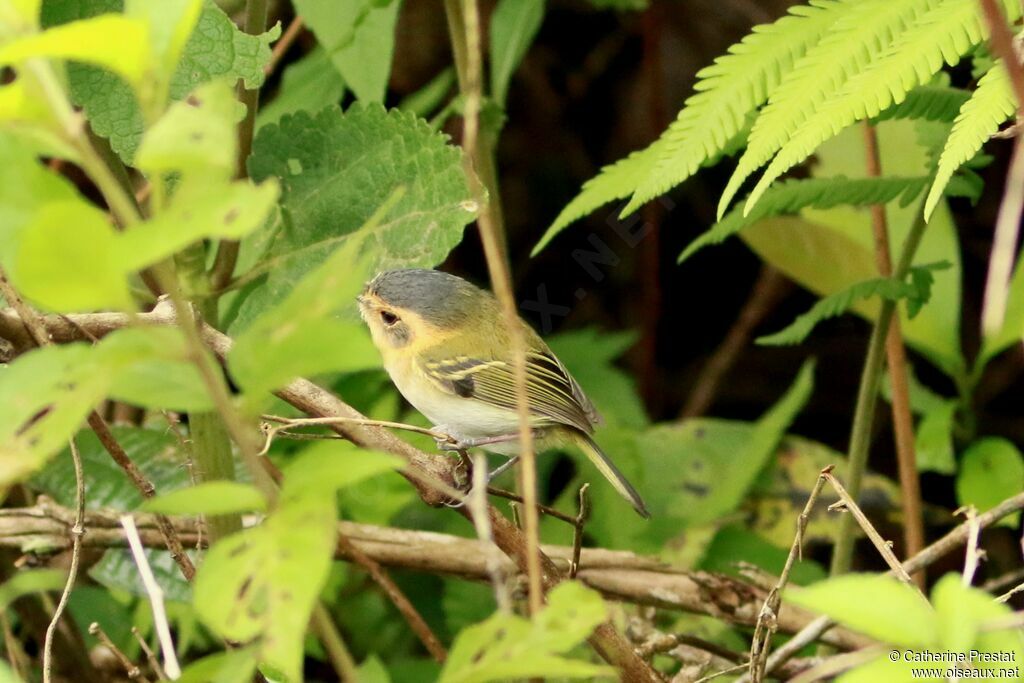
{"x":552,"y":393}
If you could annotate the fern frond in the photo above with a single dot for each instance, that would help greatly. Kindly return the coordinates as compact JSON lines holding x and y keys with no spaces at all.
{"x":854,"y":41}
{"x":728,"y":90}
{"x":927,"y":103}
{"x":917,"y":292}
{"x":991,"y":104}
{"x":790,"y":196}
{"x":614,"y":181}
{"x":942,"y":35}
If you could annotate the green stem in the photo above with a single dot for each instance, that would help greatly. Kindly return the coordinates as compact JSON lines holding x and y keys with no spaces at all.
{"x":227,"y":251}
{"x":864,"y":412}
{"x":211,"y":450}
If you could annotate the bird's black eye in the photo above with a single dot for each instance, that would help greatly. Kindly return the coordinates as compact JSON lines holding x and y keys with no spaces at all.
{"x":388,"y":317}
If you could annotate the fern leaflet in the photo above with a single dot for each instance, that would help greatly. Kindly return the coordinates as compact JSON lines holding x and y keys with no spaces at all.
{"x":790,"y":196}
{"x":728,"y":90}
{"x":853,"y":42}
{"x":991,"y":104}
{"x":939,"y":36}
{"x":928,"y":103}
{"x":917,"y":292}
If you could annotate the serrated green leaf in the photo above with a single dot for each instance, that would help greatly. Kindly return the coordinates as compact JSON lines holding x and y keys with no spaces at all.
{"x":507,"y":646}
{"x":208,"y":498}
{"x":990,"y":105}
{"x":791,"y":196}
{"x":916,"y":293}
{"x":514,"y":24}
{"x":849,"y":44}
{"x":112,"y":41}
{"x":63,"y":269}
{"x":155,"y":451}
{"x":216,"y":48}
{"x":940,"y":35}
{"x":991,"y":470}
{"x":359,"y":36}
{"x":336,"y":169}
{"x":927,"y":103}
{"x":309,"y":84}
{"x":875,"y":605}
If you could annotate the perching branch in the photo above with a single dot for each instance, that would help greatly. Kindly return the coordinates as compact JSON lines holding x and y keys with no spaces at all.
{"x":433,"y":474}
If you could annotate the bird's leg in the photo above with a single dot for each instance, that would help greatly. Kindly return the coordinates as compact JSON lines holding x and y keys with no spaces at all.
{"x":502,"y":468}
{"x":446,"y":442}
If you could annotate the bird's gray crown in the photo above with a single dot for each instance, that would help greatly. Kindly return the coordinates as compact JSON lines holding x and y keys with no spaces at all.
{"x":439,"y":298}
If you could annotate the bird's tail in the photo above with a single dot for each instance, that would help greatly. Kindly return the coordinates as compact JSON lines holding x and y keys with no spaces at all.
{"x":605,"y":465}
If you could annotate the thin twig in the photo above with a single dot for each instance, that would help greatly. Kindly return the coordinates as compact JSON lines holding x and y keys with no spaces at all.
{"x":544,"y":509}
{"x":477,"y":503}
{"x":896,"y":354}
{"x":131,"y":669}
{"x":488,"y":221}
{"x":281,"y":46}
{"x":156,"y":597}
{"x":767,"y":619}
{"x":972,"y":558}
{"x":1004,"y":243}
{"x":283,"y":423}
{"x":881,"y":545}
{"x":834,"y":665}
{"x":154,"y":662}
{"x":577,"y":532}
{"x":76,"y":532}
{"x":723,"y":672}
{"x":397,"y":597}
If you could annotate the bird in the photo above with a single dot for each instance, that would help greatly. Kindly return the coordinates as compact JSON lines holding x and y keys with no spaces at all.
{"x":448,"y":351}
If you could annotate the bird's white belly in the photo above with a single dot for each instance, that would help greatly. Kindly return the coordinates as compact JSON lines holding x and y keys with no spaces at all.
{"x":461,"y":417}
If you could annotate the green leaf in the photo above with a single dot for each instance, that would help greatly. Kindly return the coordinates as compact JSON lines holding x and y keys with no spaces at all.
{"x":118,"y":571}
{"x":916,"y":292}
{"x":332,"y":465}
{"x":154,"y":451}
{"x":215,"y":48}
{"x":67,"y":383}
{"x":963,"y":614}
{"x":940,"y":35}
{"x":303,"y":335}
{"x":428,"y":98}
{"x":991,"y":470}
{"x":733,"y":87}
{"x":309,"y":84}
{"x":514,"y":24}
{"x":336,"y":170}
{"x":29,"y":581}
{"x":209,"y":498}
{"x":232,"y":666}
{"x":927,"y":103}
{"x":112,"y":41}
{"x":507,"y":646}
{"x":194,"y":135}
{"x":933,"y":441}
{"x":734,"y":545}
{"x":1012,"y":331}
{"x":67,"y":270}
{"x":990,"y":105}
{"x":828,"y":250}
{"x":875,"y":605}
{"x":690,"y":474}
{"x":262,"y":583}
{"x":790,"y":196}
{"x":359,"y":36}
{"x":849,"y":44}
{"x":883,"y":670}
{"x":150,"y":367}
